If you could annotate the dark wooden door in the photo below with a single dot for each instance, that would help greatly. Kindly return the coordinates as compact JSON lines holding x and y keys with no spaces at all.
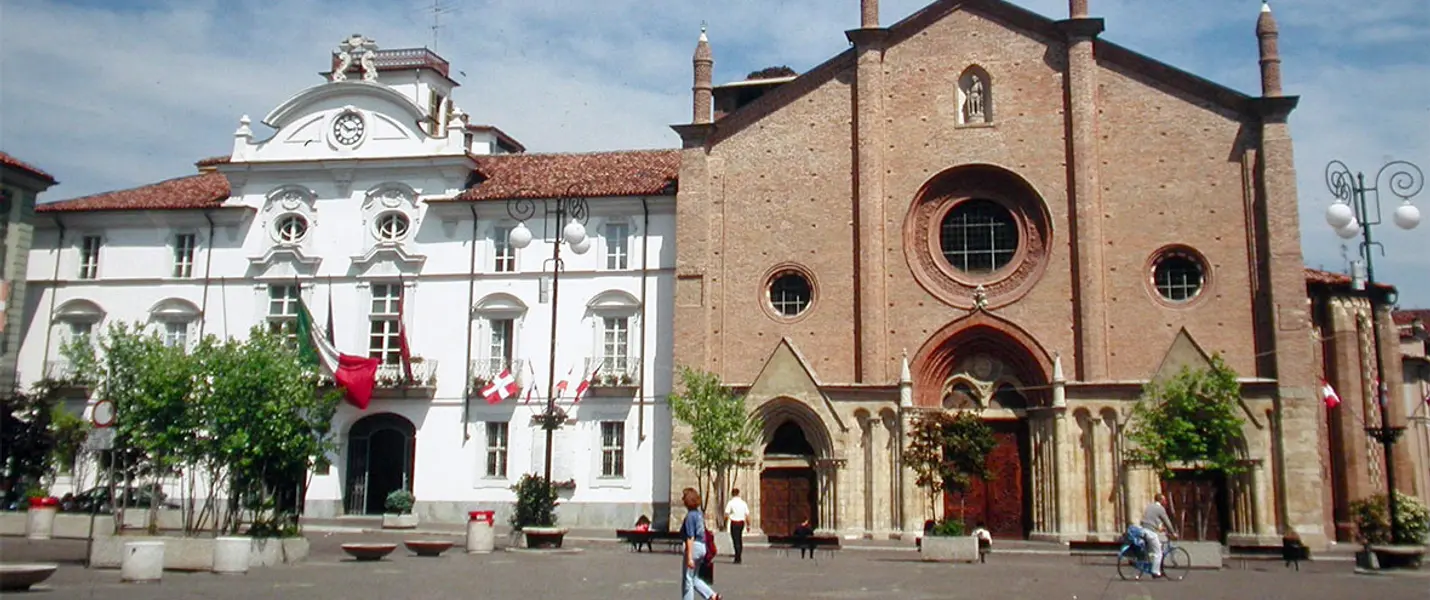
{"x":999,"y":502}
{"x":787,"y":498}
{"x":1197,"y":505}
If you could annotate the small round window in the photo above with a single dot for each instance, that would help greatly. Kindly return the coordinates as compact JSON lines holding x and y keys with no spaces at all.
{"x":392,"y":226}
{"x":790,"y":293}
{"x":978,"y":237}
{"x":291,"y":229}
{"x":1178,"y":276}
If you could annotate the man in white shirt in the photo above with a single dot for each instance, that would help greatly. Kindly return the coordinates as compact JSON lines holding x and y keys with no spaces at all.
{"x":738,"y":513}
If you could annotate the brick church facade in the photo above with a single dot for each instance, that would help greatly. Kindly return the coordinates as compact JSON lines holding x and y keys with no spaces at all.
{"x":980,"y":208}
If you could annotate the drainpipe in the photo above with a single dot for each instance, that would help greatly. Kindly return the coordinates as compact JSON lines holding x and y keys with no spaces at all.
{"x":471,"y":298}
{"x":208,"y":267}
{"x":54,"y":291}
{"x":645,"y":273}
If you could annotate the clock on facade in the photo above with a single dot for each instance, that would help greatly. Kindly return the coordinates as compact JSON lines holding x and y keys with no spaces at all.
{"x":347,"y":128}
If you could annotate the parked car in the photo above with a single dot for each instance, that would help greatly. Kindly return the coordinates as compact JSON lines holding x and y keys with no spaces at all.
{"x":97,"y":500}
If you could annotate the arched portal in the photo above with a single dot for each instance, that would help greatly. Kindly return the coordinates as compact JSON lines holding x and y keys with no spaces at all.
{"x":796,"y":483}
{"x":381,"y":453}
{"x":988,"y":366}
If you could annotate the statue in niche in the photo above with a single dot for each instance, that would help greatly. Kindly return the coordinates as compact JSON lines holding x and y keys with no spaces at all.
{"x":364,"y":49}
{"x":974,"y":101}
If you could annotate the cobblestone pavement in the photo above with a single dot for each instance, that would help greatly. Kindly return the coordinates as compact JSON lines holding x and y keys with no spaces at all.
{"x":611,"y":571}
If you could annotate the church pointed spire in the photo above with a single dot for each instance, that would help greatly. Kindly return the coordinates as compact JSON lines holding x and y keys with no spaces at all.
{"x":704,"y":66}
{"x":1267,"y":34}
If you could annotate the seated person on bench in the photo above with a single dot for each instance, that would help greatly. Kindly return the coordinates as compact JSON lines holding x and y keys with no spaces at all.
{"x":801,"y":539}
{"x":643,"y":523}
{"x":985,"y":539}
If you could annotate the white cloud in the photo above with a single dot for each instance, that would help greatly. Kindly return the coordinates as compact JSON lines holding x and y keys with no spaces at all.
{"x":111,"y":95}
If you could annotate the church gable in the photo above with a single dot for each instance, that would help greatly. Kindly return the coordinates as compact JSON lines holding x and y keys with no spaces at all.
{"x":787,"y":375}
{"x":1184,"y":353}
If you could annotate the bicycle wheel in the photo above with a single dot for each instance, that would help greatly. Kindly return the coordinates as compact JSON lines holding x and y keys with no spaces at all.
{"x":1176,"y":563}
{"x":1127,"y":564}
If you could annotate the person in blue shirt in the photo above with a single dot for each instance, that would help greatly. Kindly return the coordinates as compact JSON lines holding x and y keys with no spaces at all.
{"x":692,"y":530}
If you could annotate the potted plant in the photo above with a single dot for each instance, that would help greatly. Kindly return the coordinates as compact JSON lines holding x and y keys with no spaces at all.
{"x":946,"y":452}
{"x":40,"y":524}
{"x":535,"y":512}
{"x":399,"y":511}
{"x":1412,"y":524}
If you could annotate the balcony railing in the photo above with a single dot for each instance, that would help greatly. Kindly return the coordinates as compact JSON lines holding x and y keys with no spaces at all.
{"x":484,"y":370}
{"x":615,"y":372}
{"x":63,"y":372}
{"x":404,"y":58}
{"x":424,"y":374}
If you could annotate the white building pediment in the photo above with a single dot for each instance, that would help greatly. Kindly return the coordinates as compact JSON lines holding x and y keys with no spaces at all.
{"x":79,"y":310}
{"x":283,"y":262}
{"x":299,"y":105}
{"x":499,"y":304}
{"x":385,"y":261}
{"x":613,"y":301}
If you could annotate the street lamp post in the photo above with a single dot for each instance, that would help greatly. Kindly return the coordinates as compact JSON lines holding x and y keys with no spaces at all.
{"x":555,"y":212}
{"x":1350,"y":215}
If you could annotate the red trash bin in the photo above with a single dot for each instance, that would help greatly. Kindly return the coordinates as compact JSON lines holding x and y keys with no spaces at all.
{"x":481,"y":531}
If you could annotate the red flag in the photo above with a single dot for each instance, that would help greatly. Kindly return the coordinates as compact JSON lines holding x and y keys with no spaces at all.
{"x":530,"y":390}
{"x":1328,"y":394}
{"x":586,"y":383}
{"x":501,"y":388}
{"x":356,"y":375}
{"x":402,"y":347}
{"x":561,"y":385}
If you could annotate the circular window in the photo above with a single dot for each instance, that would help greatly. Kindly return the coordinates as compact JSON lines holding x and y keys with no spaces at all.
{"x":392,"y":226}
{"x":790,"y":293}
{"x":291,"y":229}
{"x":1178,"y":276}
{"x":978,"y":237}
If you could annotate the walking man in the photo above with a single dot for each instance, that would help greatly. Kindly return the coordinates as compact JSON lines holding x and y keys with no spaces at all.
{"x":738,"y":513}
{"x":1154,"y":519}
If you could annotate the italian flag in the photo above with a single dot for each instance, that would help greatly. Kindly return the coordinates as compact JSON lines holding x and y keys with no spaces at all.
{"x":356,"y":374}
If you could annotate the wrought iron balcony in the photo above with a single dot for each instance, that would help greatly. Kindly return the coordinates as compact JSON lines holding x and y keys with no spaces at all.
{"x":62,"y":372}
{"x":424,"y":374}
{"x":615,"y":373}
{"x":484,"y":370}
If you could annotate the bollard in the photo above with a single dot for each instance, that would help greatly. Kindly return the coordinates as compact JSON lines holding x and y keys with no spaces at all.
{"x":142,"y":562}
{"x":481,"y":531}
{"x":231,"y":555}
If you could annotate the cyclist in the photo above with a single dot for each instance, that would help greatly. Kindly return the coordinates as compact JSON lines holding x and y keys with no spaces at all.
{"x":1153,"y":519}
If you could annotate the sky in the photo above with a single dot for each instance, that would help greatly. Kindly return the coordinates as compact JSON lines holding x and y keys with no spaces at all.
{"x":112,"y":94}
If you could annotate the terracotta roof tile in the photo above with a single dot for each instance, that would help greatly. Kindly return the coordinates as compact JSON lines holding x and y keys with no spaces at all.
{"x":592,"y":175}
{"x":1406,"y":317}
{"x":205,"y":190}
{"x":1317,"y":276}
{"x":15,"y":163}
{"x":213,"y":160}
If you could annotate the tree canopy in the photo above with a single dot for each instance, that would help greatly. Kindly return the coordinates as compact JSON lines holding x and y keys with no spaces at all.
{"x":1191,"y":420}
{"x":723,"y":432}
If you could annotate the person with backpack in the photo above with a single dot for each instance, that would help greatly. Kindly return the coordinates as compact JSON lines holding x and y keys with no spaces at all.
{"x":707,"y":568}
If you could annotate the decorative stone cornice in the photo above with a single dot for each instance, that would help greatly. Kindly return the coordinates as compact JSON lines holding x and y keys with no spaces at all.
{"x":1082,"y":28}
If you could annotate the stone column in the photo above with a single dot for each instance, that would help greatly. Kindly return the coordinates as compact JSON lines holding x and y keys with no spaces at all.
{"x":1086,"y":196}
{"x":871,"y":330}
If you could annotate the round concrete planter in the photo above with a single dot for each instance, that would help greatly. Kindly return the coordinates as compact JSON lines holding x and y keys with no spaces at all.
{"x":543,"y":537}
{"x":1399,"y":557}
{"x":19,"y":577}
{"x":369,"y":552}
{"x":40,"y":524}
{"x":430,"y":548}
{"x":396,"y":521}
{"x":142,"y":562}
{"x":481,"y":537}
{"x":231,"y":555}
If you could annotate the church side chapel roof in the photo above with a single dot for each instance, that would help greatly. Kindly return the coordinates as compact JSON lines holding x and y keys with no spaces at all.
{"x":1407,"y":317}
{"x":15,"y":163}
{"x":205,"y":190}
{"x":586,"y":175}
{"x":1335,"y":280}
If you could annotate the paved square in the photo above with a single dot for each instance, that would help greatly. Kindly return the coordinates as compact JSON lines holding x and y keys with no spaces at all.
{"x":611,"y":571}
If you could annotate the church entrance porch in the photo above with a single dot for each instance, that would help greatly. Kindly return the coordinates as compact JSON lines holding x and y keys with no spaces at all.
{"x":787,"y":498}
{"x":999,"y":502}
{"x":381,"y":452}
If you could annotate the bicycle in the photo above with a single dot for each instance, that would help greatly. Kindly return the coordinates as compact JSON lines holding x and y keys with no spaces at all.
{"x":1132,"y":561}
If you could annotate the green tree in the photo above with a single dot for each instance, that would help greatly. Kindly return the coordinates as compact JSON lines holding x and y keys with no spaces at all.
{"x":244,"y":413}
{"x":1190,"y":422}
{"x":27,"y":439}
{"x":947,"y":452}
{"x":723,"y":433}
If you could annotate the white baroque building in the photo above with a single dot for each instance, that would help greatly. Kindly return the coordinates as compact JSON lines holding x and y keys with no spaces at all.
{"x":377,"y":188}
